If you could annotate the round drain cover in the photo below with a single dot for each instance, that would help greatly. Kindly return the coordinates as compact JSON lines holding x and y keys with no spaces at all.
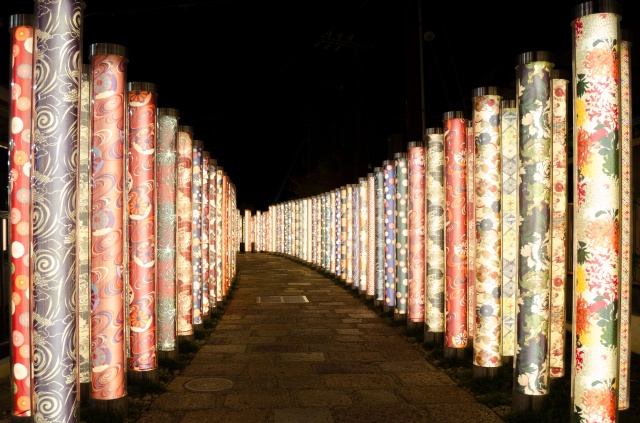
{"x":209,"y":384}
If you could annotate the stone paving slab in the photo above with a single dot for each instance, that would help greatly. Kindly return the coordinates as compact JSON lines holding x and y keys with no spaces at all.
{"x":331,"y":360}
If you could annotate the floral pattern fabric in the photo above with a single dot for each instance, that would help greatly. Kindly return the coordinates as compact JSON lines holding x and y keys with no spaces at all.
{"x":402,"y":232}
{"x":416,"y":240}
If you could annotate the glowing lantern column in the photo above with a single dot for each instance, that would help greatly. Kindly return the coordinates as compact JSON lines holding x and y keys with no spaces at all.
{"x":380,"y":241}
{"x":363,"y":227}
{"x":20,"y":162}
{"x":184,"y":233}
{"x":416,"y":241}
{"x":166,"y":220}
{"x":56,"y":118}
{"x":142,"y":102}
{"x":402,"y":239}
{"x":107,"y":217}
{"x":455,"y":233}
{"x":597,"y":202}
{"x":531,"y":367}
{"x":487,"y":348}
{"x":371,"y":237}
{"x":219,"y":240}
{"x":196,"y":232}
{"x":435,"y":256}
{"x":206,"y":159}
{"x":389,"y":235}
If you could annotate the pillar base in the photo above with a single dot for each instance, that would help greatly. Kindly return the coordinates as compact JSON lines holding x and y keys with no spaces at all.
{"x":189,"y":338}
{"x":198,"y":327}
{"x":85,"y":392}
{"x":450,"y":352}
{"x":508,"y":360}
{"x":524,"y":402}
{"x":115,"y":408}
{"x":399,"y":317}
{"x":20,"y":419}
{"x":414,"y":326}
{"x":168,"y":355}
{"x":134,"y":376}
{"x":433,"y":337}
{"x":387,"y":308}
{"x":487,"y":372}
{"x":378,"y":303}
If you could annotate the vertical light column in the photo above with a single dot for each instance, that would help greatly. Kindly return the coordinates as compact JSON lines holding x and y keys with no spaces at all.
{"x":402,"y":239}
{"x":487,"y":346}
{"x":166,"y":223}
{"x":20,"y":163}
{"x":142,"y":104}
{"x":204,"y":240}
{"x":626,"y":232}
{"x":363,"y":230}
{"x":597,"y":202}
{"x":371,"y":236}
{"x":435,"y":256}
{"x":355,"y":223}
{"x":107,"y":223}
{"x":348,"y":225}
{"x":246,"y":230}
{"x":196,"y":232}
{"x":416,"y":240}
{"x":332,"y":232}
{"x":557,"y":336}
{"x":313,"y":230}
{"x":184,"y":233}
{"x":338,"y":233}
{"x":344,"y":233}
{"x":471,"y":233}
{"x":389,"y":235}
{"x":56,"y":116}
{"x":509,"y":206}
{"x":225,"y":235}
{"x":83,"y":236}
{"x":455,"y":233}
{"x":219,"y":223}
{"x":531,"y":364}
{"x":211,"y":188}
{"x":380,"y":244}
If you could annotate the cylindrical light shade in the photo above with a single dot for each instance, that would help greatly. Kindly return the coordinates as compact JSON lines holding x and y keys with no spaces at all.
{"x":509,"y":199}
{"x":347,"y":219}
{"x":363,"y":237}
{"x":355,"y":223}
{"x":560,"y":85}
{"x":142,"y":228}
{"x":596,"y":225}
{"x":389,"y":233}
{"x":380,"y":245}
{"x":435,"y":289}
{"x":371,"y":235}
{"x":402,"y":232}
{"x":471,"y":232}
{"x":184,"y":231}
{"x":626,"y":232}
{"x":488,"y":257}
{"x":455,"y":234}
{"x":416,"y":211}
{"x":533,"y":82}
{"x":219,"y":240}
{"x":166,"y":219}
{"x":344,"y":233}
{"x":107,"y":222}
{"x":56,"y":117}
{"x":196,"y":230}
{"x":20,"y":162}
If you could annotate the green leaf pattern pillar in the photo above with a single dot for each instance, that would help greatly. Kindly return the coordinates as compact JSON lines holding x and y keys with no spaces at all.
{"x":596,"y":90}
{"x":402,"y":232}
{"x":533,"y":81}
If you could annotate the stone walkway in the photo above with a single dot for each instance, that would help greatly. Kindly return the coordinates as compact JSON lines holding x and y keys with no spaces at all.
{"x":330,"y":359}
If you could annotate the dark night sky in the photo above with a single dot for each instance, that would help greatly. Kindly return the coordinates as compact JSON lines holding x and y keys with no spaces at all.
{"x":274,"y":103}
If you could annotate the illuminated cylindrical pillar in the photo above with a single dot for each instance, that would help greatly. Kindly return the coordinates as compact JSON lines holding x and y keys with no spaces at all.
{"x":166,"y":219}
{"x":344,"y":233}
{"x":213,"y":222}
{"x":509,"y":201}
{"x":455,"y":233}
{"x":20,"y":163}
{"x":204,"y":240}
{"x":371,"y":236}
{"x":332,"y":231}
{"x":389,"y":235}
{"x":435,"y":256}
{"x":363,"y":228}
{"x":219,"y":240}
{"x":338,"y":240}
{"x":225,"y":235}
{"x":348,"y":226}
{"x":488,"y":267}
{"x":626,"y":232}
{"x":184,"y":229}
{"x":380,"y":244}
{"x":471,"y":233}
{"x":355,"y":221}
{"x":597,"y":202}
{"x":402,"y":239}
{"x":56,"y":122}
{"x":531,"y":367}
{"x":196,"y":232}
{"x":107,"y":217}
{"x":83,"y":236}
{"x":559,"y":209}
{"x":142,"y":104}
{"x":416,"y":240}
